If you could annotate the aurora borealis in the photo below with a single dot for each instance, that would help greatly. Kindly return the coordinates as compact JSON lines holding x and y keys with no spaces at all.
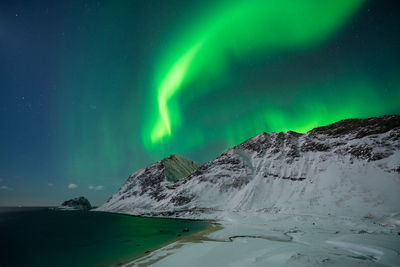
{"x":93,"y":90}
{"x":239,"y":29}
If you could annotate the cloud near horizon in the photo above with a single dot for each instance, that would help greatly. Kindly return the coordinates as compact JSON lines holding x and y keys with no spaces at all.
{"x":4,"y":187}
{"x":96,"y":187}
{"x":72,"y":186}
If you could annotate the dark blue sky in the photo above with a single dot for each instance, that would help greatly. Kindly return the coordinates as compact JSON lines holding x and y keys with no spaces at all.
{"x":72,"y":70}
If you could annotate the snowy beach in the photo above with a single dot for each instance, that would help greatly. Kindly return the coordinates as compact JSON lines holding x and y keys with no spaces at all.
{"x":287,"y":240}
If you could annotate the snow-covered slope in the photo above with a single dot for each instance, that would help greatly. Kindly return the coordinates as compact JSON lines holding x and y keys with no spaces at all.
{"x":351,"y":167}
{"x":147,"y":186}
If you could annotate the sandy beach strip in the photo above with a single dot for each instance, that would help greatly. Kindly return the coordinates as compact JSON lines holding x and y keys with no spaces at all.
{"x":167,"y":249}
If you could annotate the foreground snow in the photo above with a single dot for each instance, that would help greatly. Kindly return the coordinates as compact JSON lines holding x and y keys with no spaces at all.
{"x":254,"y":239}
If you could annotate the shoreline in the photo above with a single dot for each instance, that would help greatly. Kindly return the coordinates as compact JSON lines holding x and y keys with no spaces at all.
{"x":176,"y":243}
{"x":253,"y":239}
{"x":153,"y":217}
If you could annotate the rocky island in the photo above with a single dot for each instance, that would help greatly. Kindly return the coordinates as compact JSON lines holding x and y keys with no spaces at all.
{"x":78,"y":203}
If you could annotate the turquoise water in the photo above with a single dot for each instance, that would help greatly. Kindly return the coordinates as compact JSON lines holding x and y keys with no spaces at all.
{"x":43,"y":237}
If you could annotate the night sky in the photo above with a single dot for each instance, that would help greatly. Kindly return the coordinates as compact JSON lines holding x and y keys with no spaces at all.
{"x":91,"y":91}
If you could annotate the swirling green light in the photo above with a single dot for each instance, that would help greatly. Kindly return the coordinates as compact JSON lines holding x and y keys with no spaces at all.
{"x":169,"y":86}
{"x":236,"y":30}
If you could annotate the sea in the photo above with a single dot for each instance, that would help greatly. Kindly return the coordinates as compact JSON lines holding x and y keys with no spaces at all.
{"x":47,"y":237}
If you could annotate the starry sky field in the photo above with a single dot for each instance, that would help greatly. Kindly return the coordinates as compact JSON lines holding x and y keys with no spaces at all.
{"x":91,"y":91}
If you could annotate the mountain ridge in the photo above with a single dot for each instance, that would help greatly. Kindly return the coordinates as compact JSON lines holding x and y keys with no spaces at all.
{"x":330,"y":167}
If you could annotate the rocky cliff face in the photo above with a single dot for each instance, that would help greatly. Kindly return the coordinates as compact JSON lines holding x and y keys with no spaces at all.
{"x":349,"y":167}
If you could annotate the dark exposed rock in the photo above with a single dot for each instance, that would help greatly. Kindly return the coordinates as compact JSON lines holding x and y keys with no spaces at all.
{"x":314,"y":146}
{"x":398,"y":169}
{"x":276,"y":176}
{"x":240,"y":181}
{"x":79,"y":203}
{"x":360,"y":127}
{"x":295,"y":179}
{"x":235,"y":182}
{"x":257,"y":143}
{"x":181,"y":199}
{"x":378,"y":156}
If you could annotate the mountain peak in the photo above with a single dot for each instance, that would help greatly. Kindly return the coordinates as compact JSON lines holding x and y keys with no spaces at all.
{"x":334,"y":167}
{"x":359,"y":128}
{"x":177,"y":167}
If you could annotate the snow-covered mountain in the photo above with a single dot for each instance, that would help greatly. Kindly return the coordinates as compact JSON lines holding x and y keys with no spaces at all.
{"x":351,"y":167}
{"x":149,"y":185}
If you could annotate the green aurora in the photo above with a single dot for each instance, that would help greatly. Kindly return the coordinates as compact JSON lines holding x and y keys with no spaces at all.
{"x":243,"y":29}
{"x":198,"y":62}
{"x":218,"y":74}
